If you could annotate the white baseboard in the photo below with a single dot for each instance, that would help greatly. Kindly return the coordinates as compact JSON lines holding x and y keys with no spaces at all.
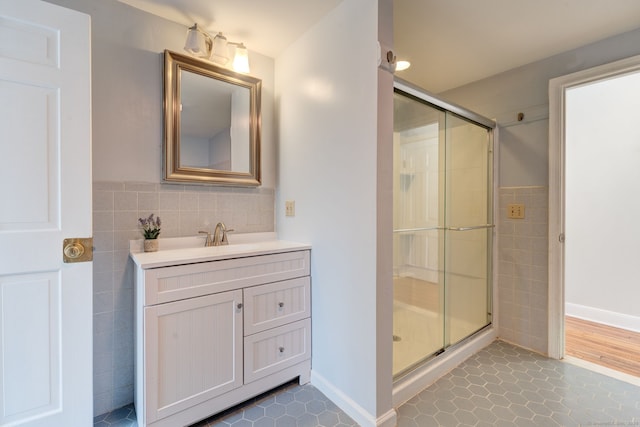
{"x":355,"y":411}
{"x":390,"y":419}
{"x":598,"y":315}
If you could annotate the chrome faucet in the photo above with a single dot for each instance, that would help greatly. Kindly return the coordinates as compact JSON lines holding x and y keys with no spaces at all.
{"x":220,"y":234}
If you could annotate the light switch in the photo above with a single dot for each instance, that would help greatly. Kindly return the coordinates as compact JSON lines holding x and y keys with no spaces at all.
{"x":515,"y":211}
{"x":290,"y":208}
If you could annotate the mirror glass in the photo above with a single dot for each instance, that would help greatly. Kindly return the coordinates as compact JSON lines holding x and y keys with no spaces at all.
{"x":212,"y":123}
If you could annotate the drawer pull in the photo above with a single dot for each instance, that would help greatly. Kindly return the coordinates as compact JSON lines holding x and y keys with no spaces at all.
{"x":280,"y":304}
{"x":281,"y":349}
{"x":239,"y":305}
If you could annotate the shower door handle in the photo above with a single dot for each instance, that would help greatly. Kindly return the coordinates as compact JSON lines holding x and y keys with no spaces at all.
{"x":413,"y":230}
{"x":472,"y":227}
{"x":466,"y":228}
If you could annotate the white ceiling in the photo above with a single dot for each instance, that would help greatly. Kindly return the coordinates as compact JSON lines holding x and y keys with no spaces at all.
{"x":449,"y":42}
{"x":454,"y":42}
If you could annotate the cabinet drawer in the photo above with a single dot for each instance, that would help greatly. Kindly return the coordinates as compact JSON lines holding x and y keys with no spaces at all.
{"x":276,"y":304}
{"x":271,"y":351}
{"x":188,"y":281}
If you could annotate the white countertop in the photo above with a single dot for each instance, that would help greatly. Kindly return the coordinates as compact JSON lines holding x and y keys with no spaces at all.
{"x":179,"y":251}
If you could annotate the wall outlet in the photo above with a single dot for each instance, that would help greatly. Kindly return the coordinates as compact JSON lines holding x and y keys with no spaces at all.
{"x":515,"y":211}
{"x":290,"y":208}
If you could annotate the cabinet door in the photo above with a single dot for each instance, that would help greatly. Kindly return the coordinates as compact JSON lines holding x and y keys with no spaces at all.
{"x":193,"y":350}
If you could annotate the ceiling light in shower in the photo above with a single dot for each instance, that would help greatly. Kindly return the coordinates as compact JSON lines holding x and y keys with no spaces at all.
{"x":402,"y":65}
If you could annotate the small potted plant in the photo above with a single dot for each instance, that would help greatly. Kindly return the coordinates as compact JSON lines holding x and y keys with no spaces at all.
{"x":150,"y":230}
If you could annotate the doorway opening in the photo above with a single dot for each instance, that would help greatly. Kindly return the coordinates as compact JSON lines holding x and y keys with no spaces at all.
{"x":594,"y":155}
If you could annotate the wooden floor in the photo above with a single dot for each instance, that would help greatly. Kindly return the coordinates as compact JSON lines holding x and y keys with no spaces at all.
{"x":604,"y":345}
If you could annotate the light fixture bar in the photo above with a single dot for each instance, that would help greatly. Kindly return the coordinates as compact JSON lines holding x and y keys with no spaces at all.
{"x":199,"y":43}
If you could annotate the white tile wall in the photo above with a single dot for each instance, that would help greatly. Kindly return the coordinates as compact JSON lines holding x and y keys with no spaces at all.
{"x":522,"y":268}
{"x":184,"y":210}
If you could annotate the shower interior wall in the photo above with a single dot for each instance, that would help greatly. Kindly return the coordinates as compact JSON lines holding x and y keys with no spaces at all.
{"x":421,"y":204}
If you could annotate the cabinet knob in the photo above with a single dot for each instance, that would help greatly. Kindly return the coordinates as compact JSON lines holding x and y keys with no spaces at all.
{"x":280,"y":304}
{"x":239,"y":305}
{"x":281,"y":349}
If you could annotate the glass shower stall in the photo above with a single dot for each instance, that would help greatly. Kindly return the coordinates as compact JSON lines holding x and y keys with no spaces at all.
{"x":443,"y":226}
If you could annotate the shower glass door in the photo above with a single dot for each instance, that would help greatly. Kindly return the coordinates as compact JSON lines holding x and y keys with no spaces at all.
{"x":442,"y":230}
{"x":468,"y":228}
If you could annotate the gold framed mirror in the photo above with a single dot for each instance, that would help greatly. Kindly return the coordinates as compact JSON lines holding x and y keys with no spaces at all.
{"x":211,"y":123}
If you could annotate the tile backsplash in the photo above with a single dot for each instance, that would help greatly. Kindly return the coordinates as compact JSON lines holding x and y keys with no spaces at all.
{"x":523,"y":268}
{"x":184,"y":210}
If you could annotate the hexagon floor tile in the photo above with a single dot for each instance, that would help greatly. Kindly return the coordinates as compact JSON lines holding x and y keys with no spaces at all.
{"x":291,"y":405}
{"x":502,"y":385}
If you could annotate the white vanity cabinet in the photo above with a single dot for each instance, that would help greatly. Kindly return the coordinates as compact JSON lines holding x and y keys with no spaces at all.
{"x":215,"y":330}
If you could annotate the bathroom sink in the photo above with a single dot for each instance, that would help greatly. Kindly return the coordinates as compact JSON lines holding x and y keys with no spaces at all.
{"x":189,"y":250}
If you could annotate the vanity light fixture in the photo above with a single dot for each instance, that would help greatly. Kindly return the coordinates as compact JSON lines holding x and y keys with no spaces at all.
{"x":199,"y":43}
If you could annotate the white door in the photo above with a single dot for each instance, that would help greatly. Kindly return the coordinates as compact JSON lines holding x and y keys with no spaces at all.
{"x":45,"y":197}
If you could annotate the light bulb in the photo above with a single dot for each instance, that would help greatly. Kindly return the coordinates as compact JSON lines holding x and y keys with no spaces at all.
{"x":241,"y":59}
{"x":402,"y":65}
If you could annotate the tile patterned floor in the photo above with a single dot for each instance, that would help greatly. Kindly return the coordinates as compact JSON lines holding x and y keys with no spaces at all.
{"x":501,"y":385}
{"x":290,"y":405}
{"x":504,"y":385}
{"x":123,"y":417}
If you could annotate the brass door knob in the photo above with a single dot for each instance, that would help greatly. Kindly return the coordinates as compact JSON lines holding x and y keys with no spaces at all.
{"x":77,"y":250}
{"x":74,"y":250}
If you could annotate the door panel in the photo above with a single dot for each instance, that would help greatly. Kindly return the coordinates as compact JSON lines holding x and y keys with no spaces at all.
{"x":28,"y":206}
{"x":468,"y":233}
{"x":33,"y":302}
{"x":417,"y":214}
{"x":45,"y":197}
